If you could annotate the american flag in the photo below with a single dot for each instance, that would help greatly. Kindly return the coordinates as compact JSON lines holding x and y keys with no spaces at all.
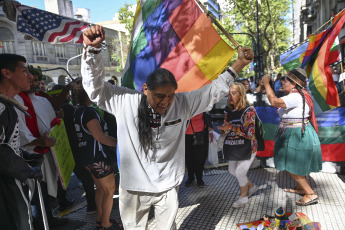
{"x":49,"y":27}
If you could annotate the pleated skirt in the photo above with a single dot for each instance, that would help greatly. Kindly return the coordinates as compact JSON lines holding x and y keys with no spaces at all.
{"x":296,"y":154}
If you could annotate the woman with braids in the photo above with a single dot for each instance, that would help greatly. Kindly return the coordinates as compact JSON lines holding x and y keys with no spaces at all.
{"x":151,"y":131}
{"x":297,"y":147}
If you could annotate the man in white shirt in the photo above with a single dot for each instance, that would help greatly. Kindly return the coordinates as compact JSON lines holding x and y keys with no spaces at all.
{"x":34,"y":138}
{"x":152,"y":131}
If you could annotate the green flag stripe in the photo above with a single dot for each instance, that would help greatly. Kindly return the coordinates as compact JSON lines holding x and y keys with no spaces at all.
{"x":292,"y":64}
{"x":270,"y":131}
{"x":317,"y":96}
{"x":149,"y":7}
{"x":139,"y":43}
{"x":332,"y":135}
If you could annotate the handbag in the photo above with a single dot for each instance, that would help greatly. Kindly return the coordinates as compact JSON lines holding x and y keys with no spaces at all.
{"x":198,"y":137}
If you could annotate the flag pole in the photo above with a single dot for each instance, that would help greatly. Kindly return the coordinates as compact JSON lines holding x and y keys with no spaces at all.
{"x":213,"y":20}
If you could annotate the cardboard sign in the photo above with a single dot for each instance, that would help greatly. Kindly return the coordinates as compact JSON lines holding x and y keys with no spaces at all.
{"x":62,"y":154}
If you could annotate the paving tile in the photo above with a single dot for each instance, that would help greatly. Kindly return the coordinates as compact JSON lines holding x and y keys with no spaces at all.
{"x":210,"y":208}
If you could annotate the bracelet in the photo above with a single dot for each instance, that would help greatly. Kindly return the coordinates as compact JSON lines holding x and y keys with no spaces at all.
{"x":231,"y":73}
{"x":92,"y":49}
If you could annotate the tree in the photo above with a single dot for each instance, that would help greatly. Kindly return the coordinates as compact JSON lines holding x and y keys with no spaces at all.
{"x":273,"y":25}
{"x":127,"y":17}
{"x":119,"y":44}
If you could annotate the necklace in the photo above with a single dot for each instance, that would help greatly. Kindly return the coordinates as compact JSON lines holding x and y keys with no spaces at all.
{"x":155,"y":120}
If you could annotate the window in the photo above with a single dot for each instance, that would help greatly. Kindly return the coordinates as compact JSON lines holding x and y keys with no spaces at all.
{"x":39,"y":49}
{"x":79,"y":50}
{"x":6,"y":41}
{"x":8,"y":47}
{"x":60,"y":51}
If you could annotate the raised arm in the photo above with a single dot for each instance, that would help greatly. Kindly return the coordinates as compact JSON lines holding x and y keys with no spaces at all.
{"x":275,"y":101}
{"x":203,"y":99}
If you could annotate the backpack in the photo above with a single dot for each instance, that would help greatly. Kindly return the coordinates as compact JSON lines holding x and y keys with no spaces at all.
{"x":259,"y":133}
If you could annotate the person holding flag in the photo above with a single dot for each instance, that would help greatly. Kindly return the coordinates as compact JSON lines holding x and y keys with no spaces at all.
{"x":153,"y":124}
{"x":297,"y":147}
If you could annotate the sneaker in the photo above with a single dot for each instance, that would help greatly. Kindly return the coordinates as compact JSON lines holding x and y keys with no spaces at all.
{"x":252,"y":190}
{"x":240,"y":202}
{"x":189,"y":183}
{"x":201,"y":184}
{"x":91,"y":210}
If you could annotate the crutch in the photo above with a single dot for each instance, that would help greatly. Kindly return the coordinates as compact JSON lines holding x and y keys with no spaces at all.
{"x":43,"y":210}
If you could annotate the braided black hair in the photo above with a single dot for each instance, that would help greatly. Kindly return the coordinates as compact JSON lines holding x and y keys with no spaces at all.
{"x":299,"y":89}
{"x":145,"y":131}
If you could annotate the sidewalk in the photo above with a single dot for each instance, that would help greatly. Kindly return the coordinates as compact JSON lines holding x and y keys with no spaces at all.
{"x":210,"y":207}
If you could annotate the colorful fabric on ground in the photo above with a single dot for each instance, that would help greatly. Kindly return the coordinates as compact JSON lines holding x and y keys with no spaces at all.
{"x":293,"y":58}
{"x":175,"y":35}
{"x":331,"y":125}
{"x":317,"y":63}
{"x":49,"y":27}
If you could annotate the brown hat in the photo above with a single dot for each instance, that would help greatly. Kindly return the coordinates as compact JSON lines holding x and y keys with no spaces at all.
{"x":299,"y":76}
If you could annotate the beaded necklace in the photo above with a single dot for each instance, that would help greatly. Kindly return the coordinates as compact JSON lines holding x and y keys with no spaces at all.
{"x":155,"y":119}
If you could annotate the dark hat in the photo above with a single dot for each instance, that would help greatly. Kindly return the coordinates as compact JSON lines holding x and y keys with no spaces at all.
{"x":299,"y":76}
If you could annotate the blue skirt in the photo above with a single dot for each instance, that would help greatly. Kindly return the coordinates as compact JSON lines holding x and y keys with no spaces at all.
{"x":296,"y":154}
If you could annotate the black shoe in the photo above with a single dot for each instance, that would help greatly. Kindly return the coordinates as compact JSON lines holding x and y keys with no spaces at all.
{"x":66,"y":204}
{"x":91,"y":210}
{"x":189,"y":183}
{"x":56,"y":222}
{"x":201,"y":184}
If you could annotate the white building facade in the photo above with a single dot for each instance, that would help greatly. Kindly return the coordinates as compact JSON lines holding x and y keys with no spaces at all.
{"x":49,"y":56}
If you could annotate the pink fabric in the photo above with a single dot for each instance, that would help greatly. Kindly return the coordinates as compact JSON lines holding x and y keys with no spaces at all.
{"x":198,"y":124}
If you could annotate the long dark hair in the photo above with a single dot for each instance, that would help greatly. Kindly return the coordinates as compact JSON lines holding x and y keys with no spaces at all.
{"x":299,"y":89}
{"x":158,"y":78}
{"x":78,"y":93}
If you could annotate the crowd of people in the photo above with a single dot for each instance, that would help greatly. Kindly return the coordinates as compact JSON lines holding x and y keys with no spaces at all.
{"x":161,"y":134}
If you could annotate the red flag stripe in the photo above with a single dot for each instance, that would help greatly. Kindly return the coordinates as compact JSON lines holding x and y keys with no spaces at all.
{"x":73,"y":34}
{"x":63,"y":32}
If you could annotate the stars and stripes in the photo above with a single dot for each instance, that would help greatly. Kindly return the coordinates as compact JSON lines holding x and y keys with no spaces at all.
{"x":49,"y":27}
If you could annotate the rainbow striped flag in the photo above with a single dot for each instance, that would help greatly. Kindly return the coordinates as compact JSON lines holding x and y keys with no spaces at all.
{"x":317,"y":63}
{"x":175,"y":35}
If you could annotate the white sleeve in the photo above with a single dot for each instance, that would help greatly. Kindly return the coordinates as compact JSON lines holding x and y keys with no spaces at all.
{"x":105,"y":95}
{"x":292,"y":100}
{"x":203,"y":99}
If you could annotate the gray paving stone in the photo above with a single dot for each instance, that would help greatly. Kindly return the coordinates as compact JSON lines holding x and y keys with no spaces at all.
{"x":210,"y":207}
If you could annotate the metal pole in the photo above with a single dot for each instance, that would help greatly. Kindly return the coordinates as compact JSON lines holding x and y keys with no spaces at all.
{"x":45,"y":70}
{"x":254,"y":50}
{"x":43,"y":210}
{"x":79,"y":55}
{"x":258,"y":54}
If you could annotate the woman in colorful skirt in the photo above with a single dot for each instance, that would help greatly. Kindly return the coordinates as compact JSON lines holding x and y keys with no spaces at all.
{"x":297,"y":147}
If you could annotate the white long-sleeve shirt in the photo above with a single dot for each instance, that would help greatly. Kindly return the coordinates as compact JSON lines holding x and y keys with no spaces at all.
{"x":45,"y":114}
{"x":164,"y":166}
